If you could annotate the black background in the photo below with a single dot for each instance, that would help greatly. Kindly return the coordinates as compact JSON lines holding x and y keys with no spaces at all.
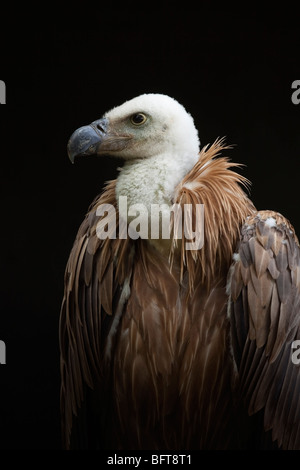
{"x":232,"y":70}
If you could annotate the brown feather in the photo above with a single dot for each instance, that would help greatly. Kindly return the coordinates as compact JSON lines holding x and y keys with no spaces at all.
{"x":212,"y":183}
{"x":149,"y":337}
{"x":269,"y":254}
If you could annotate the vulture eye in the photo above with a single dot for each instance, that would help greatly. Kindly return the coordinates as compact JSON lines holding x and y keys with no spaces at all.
{"x":138,"y":119}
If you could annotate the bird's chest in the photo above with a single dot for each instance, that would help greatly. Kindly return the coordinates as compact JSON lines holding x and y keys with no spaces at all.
{"x":171,"y":364}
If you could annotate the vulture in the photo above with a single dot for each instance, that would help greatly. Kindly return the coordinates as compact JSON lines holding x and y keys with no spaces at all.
{"x":182,"y":336}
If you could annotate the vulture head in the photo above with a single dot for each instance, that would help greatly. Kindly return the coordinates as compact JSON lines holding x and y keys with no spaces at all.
{"x":144,"y":127}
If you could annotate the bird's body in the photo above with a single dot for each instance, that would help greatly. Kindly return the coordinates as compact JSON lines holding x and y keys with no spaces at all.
{"x":157,"y":340}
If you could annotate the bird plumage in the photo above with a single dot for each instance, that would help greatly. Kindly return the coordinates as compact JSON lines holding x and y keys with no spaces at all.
{"x":264,"y":310}
{"x":168,"y":348}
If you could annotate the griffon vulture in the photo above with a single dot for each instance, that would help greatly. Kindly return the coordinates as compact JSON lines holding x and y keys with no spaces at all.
{"x":166,"y":344}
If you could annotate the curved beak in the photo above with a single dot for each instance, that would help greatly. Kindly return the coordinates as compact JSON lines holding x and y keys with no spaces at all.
{"x":87,"y":139}
{"x":95,"y":139}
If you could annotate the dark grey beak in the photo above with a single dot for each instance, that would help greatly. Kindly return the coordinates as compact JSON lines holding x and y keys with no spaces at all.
{"x":87,"y":139}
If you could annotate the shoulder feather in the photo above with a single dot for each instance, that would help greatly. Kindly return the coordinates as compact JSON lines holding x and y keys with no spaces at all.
{"x":212,"y":183}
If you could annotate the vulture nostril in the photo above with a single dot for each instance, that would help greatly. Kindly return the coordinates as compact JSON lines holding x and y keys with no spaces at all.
{"x":100,"y":127}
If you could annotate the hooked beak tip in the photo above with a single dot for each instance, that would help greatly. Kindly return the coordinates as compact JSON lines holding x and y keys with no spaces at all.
{"x":85,"y":140}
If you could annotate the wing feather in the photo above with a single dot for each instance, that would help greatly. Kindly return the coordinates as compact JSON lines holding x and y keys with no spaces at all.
{"x":92,"y":292}
{"x":264,"y":310}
